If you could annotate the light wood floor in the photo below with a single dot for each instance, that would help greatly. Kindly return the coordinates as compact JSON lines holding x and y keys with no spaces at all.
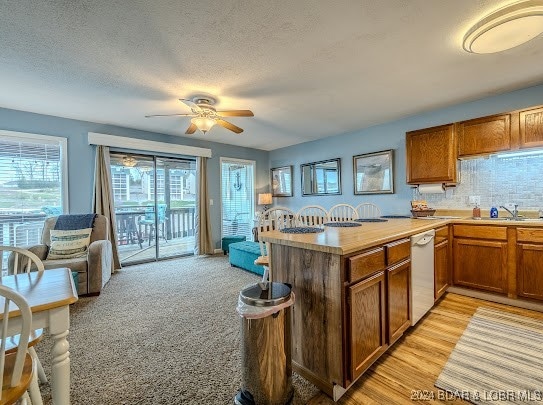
{"x":413,"y":364}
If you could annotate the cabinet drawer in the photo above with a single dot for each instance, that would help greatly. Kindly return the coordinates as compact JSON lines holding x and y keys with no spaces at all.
{"x":398,"y":251}
{"x":534,"y":235}
{"x":442,"y":234}
{"x":366,"y":263}
{"x":482,"y":232}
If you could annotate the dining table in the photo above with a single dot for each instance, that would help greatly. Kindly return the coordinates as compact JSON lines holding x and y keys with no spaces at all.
{"x":49,"y":294}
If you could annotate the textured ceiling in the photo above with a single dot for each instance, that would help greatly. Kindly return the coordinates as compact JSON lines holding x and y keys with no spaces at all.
{"x":308,"y":69}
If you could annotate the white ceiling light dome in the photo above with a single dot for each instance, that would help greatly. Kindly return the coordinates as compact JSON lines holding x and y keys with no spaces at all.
{"x":506,"y":28}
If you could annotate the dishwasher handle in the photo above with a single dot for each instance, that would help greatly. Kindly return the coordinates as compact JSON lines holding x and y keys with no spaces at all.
{"x":422,"y":238}
{"x":424,"y":241}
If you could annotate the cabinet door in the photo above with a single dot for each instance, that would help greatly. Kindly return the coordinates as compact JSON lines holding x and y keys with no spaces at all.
{"x":431,"y":155}
{"x":484,"y":135}
{"x":441,"y":268}
{"x":480,"y":264}
{"x":531,"y":128}
{"x":367,"y":322}
{"x":398,"y":297}
{"x":530,"y":270}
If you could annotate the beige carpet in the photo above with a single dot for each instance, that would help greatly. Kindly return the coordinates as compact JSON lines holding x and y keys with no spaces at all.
{"x":160,"y":333}
{"x":498,"y":359}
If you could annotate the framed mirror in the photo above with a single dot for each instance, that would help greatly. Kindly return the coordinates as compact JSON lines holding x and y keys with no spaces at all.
{"x":373,"y":173}
{"x":321,"y":178}
{"x":281,"y":181}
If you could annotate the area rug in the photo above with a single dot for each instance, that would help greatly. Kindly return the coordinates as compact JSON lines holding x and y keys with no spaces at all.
{"x":498,"y":359}
{"x":160,"y":333}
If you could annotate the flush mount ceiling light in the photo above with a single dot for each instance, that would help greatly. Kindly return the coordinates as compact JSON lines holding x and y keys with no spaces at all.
{"x":506,"y":28}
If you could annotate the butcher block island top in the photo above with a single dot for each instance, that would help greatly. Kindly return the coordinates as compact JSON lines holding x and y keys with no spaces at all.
{"x":343,"y":241}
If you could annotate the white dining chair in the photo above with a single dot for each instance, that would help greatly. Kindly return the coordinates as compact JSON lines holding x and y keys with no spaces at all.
{"x":312,"y":215}
{"x":23,"y":261}
{"x":17,"y":367}
{"x":368,"y":210}
{"x":342,"y":213}
{"x":276,"y":218}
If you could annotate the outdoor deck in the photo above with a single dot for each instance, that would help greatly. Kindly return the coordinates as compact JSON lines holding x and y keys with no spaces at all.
{"x":173,"y":247}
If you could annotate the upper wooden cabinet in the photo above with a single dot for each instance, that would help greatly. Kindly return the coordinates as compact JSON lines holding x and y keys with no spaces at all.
{"x":431,"y":155}
{"x":484,"y":135}
{"x":531,"y":128}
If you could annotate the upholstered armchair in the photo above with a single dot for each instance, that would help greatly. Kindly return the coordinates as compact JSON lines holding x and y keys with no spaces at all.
{"x":94,"y":270}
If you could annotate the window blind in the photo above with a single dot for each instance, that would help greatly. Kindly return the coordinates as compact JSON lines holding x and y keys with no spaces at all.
{"x":31,"y":179}
{"x":237,"y":197}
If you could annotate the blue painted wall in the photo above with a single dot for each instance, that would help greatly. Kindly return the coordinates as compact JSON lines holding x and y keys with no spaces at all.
{"x":381,"y":137}
{"x":81,"y":155}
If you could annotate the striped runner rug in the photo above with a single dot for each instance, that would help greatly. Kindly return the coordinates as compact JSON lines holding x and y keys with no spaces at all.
{"x":498,"y":359}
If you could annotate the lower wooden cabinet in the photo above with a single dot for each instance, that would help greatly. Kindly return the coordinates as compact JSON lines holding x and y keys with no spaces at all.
{"x":530,"y":270}
{"x":367,"y":320}
{"x":398,"y":300}
{"x":480,"y":264}
{"x":441,"y":268}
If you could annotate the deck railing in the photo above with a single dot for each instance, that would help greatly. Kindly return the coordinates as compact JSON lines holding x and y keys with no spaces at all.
{"x":131,"y":227}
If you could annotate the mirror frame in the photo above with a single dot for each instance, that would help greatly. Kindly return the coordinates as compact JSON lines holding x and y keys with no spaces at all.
{"x":359,"y":158}
{"x":276,"y":171}
{"x":312,"y":167}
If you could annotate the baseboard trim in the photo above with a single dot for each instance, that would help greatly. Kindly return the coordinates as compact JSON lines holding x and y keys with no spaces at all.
{"x":217,"y":251}
{"x":534,"y":306}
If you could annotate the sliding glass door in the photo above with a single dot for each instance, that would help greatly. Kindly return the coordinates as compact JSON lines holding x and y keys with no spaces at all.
{"x":155,"y":200}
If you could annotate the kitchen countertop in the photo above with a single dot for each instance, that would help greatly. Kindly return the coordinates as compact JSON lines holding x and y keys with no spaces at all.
{"x":344,"y":241}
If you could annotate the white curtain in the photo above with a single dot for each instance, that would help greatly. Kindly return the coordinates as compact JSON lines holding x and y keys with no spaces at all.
{"x":103,"y":199}
{"x":204,"y":241}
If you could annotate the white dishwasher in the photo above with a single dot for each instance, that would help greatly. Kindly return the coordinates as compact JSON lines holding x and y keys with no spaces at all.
{"x":422,"y":274}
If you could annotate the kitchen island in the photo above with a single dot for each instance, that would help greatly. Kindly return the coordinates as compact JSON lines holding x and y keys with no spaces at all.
{"x":352,"y":285}
{"x":352,"y":295}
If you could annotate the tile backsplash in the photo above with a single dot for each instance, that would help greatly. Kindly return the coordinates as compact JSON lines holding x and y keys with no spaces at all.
{"x":498,"y":181}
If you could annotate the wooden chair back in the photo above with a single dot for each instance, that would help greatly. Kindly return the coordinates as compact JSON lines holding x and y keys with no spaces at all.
{"x":16,"y":369}
{"x":312,"y":215}
{"x":275,"y":218}
{"x":368,"y":210}
{"x":342,"y":213}
{"x":21,"y":260}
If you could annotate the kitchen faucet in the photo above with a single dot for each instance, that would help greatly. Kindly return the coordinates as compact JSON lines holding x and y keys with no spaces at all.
{"x":514,"y":213}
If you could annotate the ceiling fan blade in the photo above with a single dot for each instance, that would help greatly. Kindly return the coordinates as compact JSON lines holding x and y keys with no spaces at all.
{"x":169,"y":115}
{"x":191,"y":129}
{"x":193,"y":106}
{"x":229,"y":126}
{"x":236,"y":113}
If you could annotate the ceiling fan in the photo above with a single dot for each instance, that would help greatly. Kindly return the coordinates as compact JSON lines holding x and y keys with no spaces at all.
{"x":206,"y":116}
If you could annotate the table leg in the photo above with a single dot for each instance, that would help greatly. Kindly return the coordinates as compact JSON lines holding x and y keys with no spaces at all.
{"x":59,"y":323}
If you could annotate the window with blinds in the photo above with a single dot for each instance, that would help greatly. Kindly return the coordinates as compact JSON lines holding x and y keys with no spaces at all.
{"x":32,"y":178}
{"x":237,"y":197}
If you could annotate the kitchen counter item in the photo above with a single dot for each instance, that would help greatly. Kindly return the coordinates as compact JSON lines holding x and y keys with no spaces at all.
{"x":342,"y":224}
{"x":422,"y":274}
{"x":423,"y":213}
{"x":395,"y":216}
{"x":302,"y":229}
{"x":371,"y":220}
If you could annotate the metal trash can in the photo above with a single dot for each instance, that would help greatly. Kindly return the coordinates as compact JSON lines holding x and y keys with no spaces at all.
{"x":265,"y":344}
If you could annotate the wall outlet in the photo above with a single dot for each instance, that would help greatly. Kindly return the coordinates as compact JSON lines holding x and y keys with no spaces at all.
{"x":211,"y":201}
{"x":475,"y":200}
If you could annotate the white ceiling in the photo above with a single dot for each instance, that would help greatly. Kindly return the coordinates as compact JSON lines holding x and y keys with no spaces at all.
{"x":307,"y":69}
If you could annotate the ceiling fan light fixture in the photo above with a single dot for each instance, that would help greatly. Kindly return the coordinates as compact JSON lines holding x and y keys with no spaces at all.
{"x":506,"y":28}
{"x":129,"y":161}
{"x":204,"y":124}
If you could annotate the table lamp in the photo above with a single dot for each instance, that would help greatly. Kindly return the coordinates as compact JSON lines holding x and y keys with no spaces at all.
{"x":265,"y":199}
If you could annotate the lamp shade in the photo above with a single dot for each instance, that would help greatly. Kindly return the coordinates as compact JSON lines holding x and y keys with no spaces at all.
{"x":265,"y":199}
{"x":204,"y":124}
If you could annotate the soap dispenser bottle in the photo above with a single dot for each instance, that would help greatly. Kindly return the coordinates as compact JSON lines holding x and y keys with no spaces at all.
{"x":493,"y":212}
{"x":476,"y":211}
